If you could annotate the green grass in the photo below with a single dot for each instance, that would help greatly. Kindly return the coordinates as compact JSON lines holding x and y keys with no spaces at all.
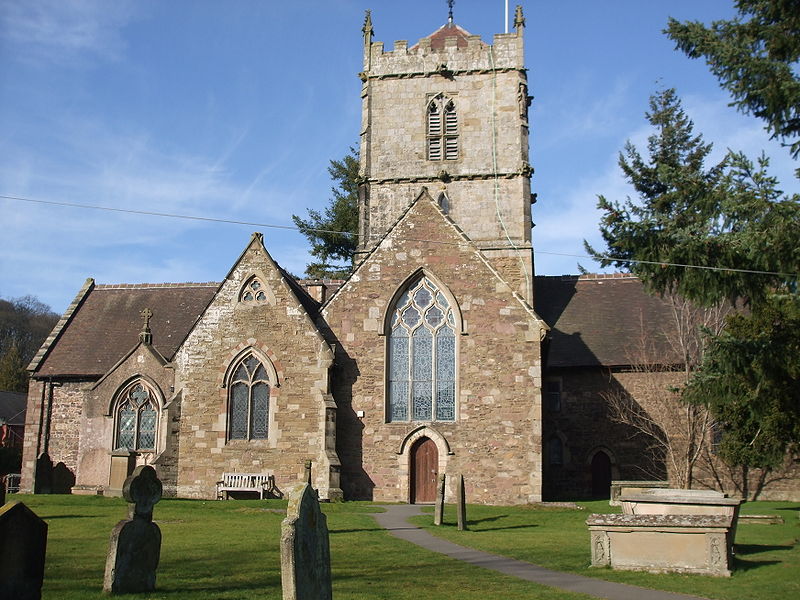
{"x":230,"y":550}
{"x":767,"y":563}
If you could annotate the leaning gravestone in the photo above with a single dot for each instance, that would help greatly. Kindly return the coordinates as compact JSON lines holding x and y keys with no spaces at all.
{"x":461,"y":504}
{"x":438,"y":512}
{"x":23,"y":541}
{"x":305,"y":552}
{"x":135,"y":545}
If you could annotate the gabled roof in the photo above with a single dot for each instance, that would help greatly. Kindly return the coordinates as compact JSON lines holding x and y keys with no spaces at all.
{"x":107,"y":323}
{"x":598,"y":320}
{"x":447,"y":30}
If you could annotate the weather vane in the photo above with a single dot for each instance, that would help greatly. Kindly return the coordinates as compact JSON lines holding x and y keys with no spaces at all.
{"x":450,"y":5}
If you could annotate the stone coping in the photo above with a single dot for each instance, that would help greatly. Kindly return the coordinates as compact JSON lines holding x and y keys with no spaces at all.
{"x":638,"y":521}
{"x":679,"y":499}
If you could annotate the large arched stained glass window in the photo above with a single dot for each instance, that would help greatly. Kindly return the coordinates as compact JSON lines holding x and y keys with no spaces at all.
{"x":137,"y":418}
{"x":248,"y":401}
{"x":422,"y":356}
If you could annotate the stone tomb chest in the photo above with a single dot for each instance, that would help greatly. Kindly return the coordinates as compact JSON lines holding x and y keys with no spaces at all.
{"x":657,"y":501}
{"x":662,"y":543}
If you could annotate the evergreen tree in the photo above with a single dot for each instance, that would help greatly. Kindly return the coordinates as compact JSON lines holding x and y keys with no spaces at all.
{"x":688,"y":213}
{"x":755,"y":56}
{"x":751,"y":381}
{"x":727,"y":216}
{"x":333,"y":236}
{"x":13,"y":377}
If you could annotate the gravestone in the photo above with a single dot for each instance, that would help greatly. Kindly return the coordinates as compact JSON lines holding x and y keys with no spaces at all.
{"x":438,"y":513}
{"x":461,"y":504}
{"x":135,"y":544}
{"x":305,"y":551}
{"x":23,"y":541}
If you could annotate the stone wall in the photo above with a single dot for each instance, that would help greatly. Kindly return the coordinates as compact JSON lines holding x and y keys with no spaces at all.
{"x":282,"y":335}
{"x":583,"y":424}
{"x":495,"y":439}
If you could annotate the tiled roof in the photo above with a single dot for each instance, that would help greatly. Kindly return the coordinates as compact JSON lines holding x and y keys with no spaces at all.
{"x":107,"y":323}
{"x":438,"y":37}
{"x":598,"y":319}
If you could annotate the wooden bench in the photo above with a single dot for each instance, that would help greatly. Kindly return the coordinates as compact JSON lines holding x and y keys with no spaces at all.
{"x":262,"y":483}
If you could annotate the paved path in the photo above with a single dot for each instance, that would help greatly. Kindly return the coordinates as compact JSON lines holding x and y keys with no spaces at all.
{"x":395,"y":519}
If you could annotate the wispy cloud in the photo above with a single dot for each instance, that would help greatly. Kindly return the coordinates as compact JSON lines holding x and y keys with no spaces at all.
{"x":57,"y":31}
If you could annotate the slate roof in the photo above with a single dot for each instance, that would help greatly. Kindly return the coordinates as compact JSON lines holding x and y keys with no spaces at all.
{"x":598,"y":319}
{"x":106,"y":325}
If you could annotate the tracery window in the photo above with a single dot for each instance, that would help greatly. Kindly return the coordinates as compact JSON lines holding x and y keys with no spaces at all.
{"x":248,"y":401}
{"x":442,"y":129}
{"x":422,"y":356}
{"x":253,"y":292}
{"x":136,"y":419}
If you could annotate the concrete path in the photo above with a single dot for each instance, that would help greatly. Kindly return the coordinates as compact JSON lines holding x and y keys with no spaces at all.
{"x":395,"y":519}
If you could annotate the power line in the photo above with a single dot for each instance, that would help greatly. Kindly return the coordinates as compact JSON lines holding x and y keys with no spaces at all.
{"x":349,"y":233}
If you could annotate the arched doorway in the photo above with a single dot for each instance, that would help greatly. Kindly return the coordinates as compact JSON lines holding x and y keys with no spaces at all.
{"x":601,"y":475}
{"x":424,"y":459}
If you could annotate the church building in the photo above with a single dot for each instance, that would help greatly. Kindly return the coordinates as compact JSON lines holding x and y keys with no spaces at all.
{"x":442,"y":352}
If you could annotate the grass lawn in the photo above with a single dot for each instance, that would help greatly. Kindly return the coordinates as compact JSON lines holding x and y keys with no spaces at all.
{"x":230,"y":550}
{"x":767,"y":563}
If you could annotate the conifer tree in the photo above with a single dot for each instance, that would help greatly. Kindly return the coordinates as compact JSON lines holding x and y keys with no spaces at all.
{"x":730,"y":220}
{"x":755,"y":56}
{"x":332,"y":235}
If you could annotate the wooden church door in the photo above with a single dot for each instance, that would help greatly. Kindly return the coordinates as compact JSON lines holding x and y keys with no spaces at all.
{"x":424,"y":471}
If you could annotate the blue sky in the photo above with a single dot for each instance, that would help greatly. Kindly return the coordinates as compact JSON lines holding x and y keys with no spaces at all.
{"x":232,"y":110}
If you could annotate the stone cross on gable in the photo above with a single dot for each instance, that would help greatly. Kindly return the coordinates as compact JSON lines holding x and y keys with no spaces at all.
{"x":450,"y":6}
{"x":146,"y":336}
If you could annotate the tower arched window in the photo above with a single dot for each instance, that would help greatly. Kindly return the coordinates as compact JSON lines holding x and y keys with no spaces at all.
{"x":136,"y":418}
{"x":248,"y":400}
{"x":442,"y":129}
{"x":422,"y":356}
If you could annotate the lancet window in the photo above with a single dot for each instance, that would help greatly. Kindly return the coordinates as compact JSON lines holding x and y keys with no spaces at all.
{"x":248,"y":400}
{"x":422,"y":356}
{"x":136,"y":418}
{"x":442,"y":129}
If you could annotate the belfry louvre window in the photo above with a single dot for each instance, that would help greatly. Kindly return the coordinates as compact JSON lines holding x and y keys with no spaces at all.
{"x":422,"y":356}
{"x":442,"y":129}
{"x":136,"y":419}
{"x":248,"y":401}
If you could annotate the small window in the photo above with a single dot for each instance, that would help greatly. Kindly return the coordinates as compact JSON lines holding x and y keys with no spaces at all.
{"x":442,"y":129}
{"x":136,"y":419}
{"x":253,"y":292}
{"x":555,"y":451}
{"x":248,"y":401}
{"x":552,"y":395}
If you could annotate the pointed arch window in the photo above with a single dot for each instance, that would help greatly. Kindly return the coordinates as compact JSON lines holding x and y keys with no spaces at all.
{"x":136,"y":419}
{"x":442,"y":129}
{"x":248,"y":401}
{"x":422,"y":356}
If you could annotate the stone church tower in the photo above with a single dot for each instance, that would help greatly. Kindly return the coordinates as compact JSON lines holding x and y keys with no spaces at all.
{"x":450,"y":113}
